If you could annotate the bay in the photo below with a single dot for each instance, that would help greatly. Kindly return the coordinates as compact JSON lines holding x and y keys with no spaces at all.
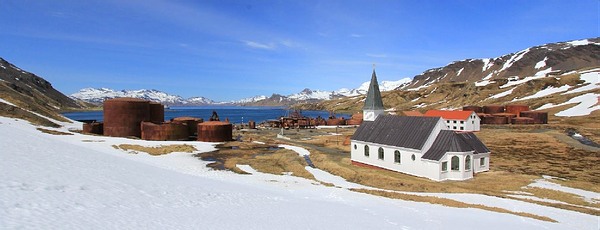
{"x":236,"y":114}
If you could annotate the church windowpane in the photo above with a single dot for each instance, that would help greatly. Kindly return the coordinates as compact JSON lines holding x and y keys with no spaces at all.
{"x":445,"y":166}
{"x":355,"y":146}
{"x":366,"y":150}
{"x":380,"y":153}
{"x":468,"y":163}
{"x":397,"y":156}
{"x":454,"y":164}
{"x":482,"y":161}
{"x":413,"y":157}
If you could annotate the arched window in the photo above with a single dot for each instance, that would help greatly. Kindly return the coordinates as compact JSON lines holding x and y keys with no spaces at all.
{"x":454,"y":163}
{"x":413,"y":157}
{"x":397,"y":156}
{"x":366,"y":150}
{"x":468,"y":163}
{"x":380,"y":153}
{"x":354,"y":146}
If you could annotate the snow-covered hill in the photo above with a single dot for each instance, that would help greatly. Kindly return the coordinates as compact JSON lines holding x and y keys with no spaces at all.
{"x":80,"y":181}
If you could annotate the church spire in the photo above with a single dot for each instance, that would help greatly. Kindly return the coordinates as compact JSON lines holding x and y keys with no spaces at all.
{"x":373,"y":104}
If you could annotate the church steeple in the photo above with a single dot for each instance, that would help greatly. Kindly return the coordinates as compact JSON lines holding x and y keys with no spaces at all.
{"x":373,"y":104}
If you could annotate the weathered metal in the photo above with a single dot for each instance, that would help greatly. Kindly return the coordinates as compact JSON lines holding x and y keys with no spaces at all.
{"x":507,"y":115}
{"x":491,"y":109}
{"x":538,"y":117}
{"x":252,"y":124}
{"x":516,"y":109}
{"x":495,"y":120}
{"x":191,"y":122}
{"x":336,"y":121}
{"x":522,"y":121}
{"x":157,"y":112}
{"x":474,"y":108}
{"x":215,"y":131}
{"x":93,"y":128}
{"x":122,"y":116}
{"x":169,"y":131}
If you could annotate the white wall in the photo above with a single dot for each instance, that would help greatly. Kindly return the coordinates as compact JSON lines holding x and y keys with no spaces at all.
{"x":461,"y":173}
{"x":476,"y":164}
{"x":471,"y":124}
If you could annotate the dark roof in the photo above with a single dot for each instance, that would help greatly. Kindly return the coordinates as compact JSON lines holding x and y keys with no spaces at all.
{"x":373,"y":100}
{"x":407,"y":132}
{"x":450,"y":141}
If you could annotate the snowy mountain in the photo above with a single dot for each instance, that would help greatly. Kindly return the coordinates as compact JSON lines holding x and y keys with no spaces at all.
{"x":97,"y":96}
{"x":384,"y":86}
{"x":250,"y":99}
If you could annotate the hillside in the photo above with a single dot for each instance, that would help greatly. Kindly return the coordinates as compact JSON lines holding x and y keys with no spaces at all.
{"x":550,"y":76}
{"x":22,"y":92}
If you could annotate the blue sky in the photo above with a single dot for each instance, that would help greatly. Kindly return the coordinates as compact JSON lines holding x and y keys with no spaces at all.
{"x":231,"y":49}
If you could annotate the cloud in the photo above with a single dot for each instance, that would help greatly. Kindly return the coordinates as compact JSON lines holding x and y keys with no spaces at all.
{"x":356,"y":35}
{"x":377,"y":55}
{"x":258,"y":45}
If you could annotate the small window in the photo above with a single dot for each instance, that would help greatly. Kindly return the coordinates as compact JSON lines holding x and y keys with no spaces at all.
{"x":462,"y":122}
{"x":454,"y":164}
{"x":366,"y":150}
{"x":462,"y":128}
{"x":454,"y":122}
{"x":472,"y":122}
{"x":444,"y":166}
{"x":355,"y":146}
{"x":397,"y":156}
{"x":482,"y":161}
{"x":468,"y":163}
{"x":413,"y":157}
{"x":454,"y":127}
{"x":447,"y":121}
{"x":380,"y":153}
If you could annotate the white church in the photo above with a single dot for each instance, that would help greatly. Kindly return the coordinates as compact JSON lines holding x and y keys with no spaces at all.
{"x":419,"y":146}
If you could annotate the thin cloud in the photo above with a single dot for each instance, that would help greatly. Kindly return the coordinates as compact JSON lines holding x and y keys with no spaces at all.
{"x":258,"y":45}
{"x":356,"y":35}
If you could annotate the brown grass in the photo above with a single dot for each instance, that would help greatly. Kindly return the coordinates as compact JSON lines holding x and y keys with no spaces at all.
{"x":159,"y":150}
{"x":53,"y":132}
{"x":449,"y":203}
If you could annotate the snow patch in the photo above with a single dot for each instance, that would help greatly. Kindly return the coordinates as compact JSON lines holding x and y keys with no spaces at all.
{"x":589,"y":196}
{"x":7,"y":102}
{"x":514,"y":58}
{"x":486,"y":64}
{"x":503,"y":94}
{"x":586,"y":104}
{"x":545,"y":92}
{"x":538,"y":75}
{"x":592,"y":81}
{"x":541,"y":63}
{"x":460,"y":71}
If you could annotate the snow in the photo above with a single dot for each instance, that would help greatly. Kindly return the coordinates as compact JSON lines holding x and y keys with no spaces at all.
{"x":586,"y":104}
{"x":503,"y":94}
{"x":538,"y":75}
{"x":460,"y":71}
{"x":592,"y":81}
{"x":541,"y":63}
{"x":579,"y":42}
{"x":589,"y":196}
{"x":301,"y":151}
{"x":3,"y":67}
{"x":483,"y":83}
{"x":486,"y":64}
{"x":514,"y":58}
{"x":80,"y":181}
{"x":7,"y":102}
{"x":545,"y":92}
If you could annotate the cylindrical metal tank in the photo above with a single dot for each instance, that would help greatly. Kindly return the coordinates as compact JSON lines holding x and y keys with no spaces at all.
{"x":170,"y":131}
{"x":493,"y":120}
{"x":538,"y":117}
{"x":522,"y":120}
{"x":215,"y":131}
{"x":354,"y":122}
{"x":93,"y":128}
{"x":251,"y":124}
{"x":191,"y":122}
{"x":157,"y":112}
{"x":507,"y":115}
{"x":123,"y":116}
{"x":474,"y":108}
{"x":516,"y":109}
{"x":336,"y":121}
{"x":491,"y":109}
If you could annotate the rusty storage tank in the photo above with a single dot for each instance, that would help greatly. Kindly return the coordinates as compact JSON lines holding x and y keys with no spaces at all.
{"x":251,"y":124}
{"x":538,"y":117}
{"x":516,"y":109}
{"x":157,"y":112}
{"x":191,"y":122}
{"x":169,"y":131}
{"x":493,"y":120}
{"x":336,"y":121}
{"x":123,"y":116}
{"x":93,"y":128}
{"x":474,"y":108}
{"x":522,"y":120}
{"x":215,"y":131}
{"x":507,"y":115}
{"x":491,"y":109}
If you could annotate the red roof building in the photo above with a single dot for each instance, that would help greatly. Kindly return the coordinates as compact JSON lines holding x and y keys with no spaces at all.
{"x":457,"y":119}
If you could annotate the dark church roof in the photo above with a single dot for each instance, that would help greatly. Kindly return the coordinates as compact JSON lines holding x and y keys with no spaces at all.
{"x":407,"y":132}
{"x":450,"y":141}
{"x":373,"y":100}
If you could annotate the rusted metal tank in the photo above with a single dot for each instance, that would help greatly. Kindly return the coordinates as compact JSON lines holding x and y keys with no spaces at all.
{"x":336,"y":121}
{"x":123,"y":116}
{"x":251,"y":124}
{"x":474,"y":108}
{"x":491,"y":109}
{"x":157,"y":112}
{"x":538,"y":117}
{"x":215,"y":131}
{"x":169,"y":131}
{"x":482,"y":115}
{"x":516,"y":109}
{"x":522,"y":120}
{"x":507,"y":115}
{"x":191,"y":122}
{"x":493,"y":120}
{"x":93,"y":128}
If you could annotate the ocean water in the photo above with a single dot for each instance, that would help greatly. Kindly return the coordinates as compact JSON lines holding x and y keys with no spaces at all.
{"x":236,"y":114}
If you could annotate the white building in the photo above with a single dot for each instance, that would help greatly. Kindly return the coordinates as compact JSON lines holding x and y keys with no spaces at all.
{"x":458,"y":120}
{"x":419,"y":146}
